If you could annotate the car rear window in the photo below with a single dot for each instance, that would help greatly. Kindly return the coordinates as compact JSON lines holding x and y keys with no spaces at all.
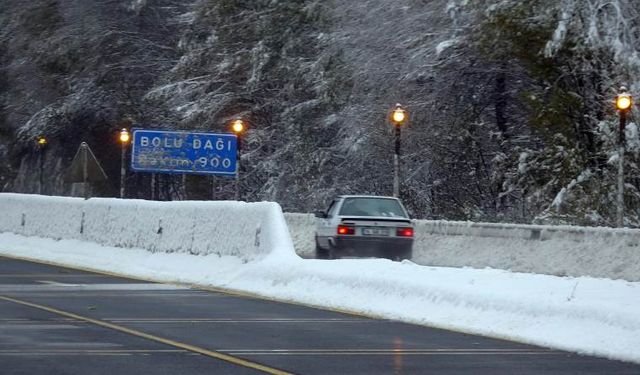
{"x":372,"y":207}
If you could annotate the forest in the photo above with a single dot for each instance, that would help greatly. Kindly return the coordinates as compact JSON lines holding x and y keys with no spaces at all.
{"x":511,"y":103}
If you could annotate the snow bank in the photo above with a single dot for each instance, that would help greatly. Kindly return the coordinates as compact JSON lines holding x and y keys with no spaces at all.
{"x":244,"y":230}
{"x":553,"y":250}
{"x":585,"y":315}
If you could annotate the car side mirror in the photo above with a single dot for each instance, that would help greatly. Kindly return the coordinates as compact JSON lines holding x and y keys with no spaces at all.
{"x":320,"y":214}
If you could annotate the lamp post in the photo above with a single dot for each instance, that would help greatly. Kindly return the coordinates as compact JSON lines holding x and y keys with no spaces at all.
{"x":238,"y":127}
{"x":41,"y":145}
{"x":398,"y":119}
{"x":624,"y":102}
{"x":124,"y":138}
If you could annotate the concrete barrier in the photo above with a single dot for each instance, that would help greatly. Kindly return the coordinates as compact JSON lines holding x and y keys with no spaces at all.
{"x":554,"y":250}
{"x":245,"y":230}
{"x":254,"y":230}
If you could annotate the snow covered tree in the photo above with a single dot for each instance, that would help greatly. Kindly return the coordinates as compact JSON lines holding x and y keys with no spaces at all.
{"x":74,"y":70}
{"x":572,"y":81}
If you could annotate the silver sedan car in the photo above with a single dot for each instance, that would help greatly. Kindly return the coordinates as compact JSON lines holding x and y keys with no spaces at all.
{"x":364,"y":225}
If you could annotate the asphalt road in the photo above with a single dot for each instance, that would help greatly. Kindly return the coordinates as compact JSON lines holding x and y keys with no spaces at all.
{"x":63,"y":321}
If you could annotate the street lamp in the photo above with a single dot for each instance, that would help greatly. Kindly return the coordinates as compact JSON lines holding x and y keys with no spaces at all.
{"x":41,"y":144}
{"x":624,"y":103}
{"x":398,"y":119}
{"x":124,"y":138}
{"x":238,"y":127}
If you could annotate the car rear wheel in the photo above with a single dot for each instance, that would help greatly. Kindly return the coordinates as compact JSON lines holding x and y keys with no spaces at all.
{"x":402,"y":256}
{"x":332,"y":253}
{"x":320,"y":252}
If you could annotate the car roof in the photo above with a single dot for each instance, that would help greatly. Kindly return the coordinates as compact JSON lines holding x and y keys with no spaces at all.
{"x":367,"y":196}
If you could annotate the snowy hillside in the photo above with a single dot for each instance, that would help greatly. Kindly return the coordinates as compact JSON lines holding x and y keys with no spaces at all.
{"x":510,"y":102}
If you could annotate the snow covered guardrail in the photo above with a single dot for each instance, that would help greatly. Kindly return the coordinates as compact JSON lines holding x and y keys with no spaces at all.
{"x":245,"y":230}
{"x":553,"y":250}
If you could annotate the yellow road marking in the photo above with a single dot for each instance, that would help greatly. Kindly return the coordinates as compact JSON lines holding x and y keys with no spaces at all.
{"x":191,"y":348}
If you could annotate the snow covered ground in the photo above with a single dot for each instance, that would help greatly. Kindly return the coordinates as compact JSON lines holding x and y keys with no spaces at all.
{"x":586,"y":315}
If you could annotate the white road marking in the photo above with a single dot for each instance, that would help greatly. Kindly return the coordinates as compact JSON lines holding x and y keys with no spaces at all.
{"x":389,"y":352}
{"x":223,"y":320}
{"x":443,"y":350}
{"x":56,"y":275}
{"x":62,"y":354}
{"x":89,"y":351}
{"x":55,"y":283}
{"x":52,"y":286}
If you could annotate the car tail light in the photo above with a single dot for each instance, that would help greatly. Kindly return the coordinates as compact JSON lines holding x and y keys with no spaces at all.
{"x":404,"y":232}
{"x":343,"y":229}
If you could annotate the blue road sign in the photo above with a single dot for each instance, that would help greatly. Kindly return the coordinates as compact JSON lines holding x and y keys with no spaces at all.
{"x":163,"y":151}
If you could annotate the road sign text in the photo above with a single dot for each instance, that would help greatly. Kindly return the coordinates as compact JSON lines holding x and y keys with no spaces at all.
{"x":183,"y":152}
